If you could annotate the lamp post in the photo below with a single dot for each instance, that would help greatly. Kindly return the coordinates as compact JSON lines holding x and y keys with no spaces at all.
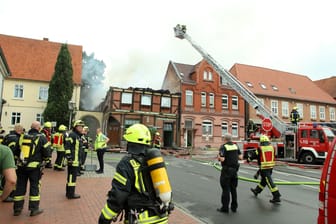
{"x":72,"y":107}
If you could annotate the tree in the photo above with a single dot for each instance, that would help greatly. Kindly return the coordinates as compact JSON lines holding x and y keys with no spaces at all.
{"x":60,"y":89}
{"x":92,"y":89}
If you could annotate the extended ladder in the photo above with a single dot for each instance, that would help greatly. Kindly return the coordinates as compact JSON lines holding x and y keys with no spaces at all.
{"x":180,"y":32}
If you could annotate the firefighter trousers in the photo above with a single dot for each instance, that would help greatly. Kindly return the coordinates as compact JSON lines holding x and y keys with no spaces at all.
{"x":229,"y":183}
{"x":71,"y":181}
{"x":33,"y":175}
{"x":59,"y":162}
{"x":266,"y":179}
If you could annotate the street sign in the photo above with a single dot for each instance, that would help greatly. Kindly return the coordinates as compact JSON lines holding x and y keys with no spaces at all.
{"x":267,"y":124}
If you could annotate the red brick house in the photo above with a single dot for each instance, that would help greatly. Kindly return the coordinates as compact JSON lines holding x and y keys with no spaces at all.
{"x":154,"y":108}
{"x":209,"y":109}
{"x":328,"y":85}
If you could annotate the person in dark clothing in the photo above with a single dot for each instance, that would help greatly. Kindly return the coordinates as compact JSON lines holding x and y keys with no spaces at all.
{"x":229,"y":154}
{"x":72,"y":146}
{"x":265,"y":156}
{"x":294,"y":116}
{"x":46,"y":130}
{"x":34,"y":150}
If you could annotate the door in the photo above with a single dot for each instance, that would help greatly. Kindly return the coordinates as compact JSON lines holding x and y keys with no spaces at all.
{"x":113,"y":132}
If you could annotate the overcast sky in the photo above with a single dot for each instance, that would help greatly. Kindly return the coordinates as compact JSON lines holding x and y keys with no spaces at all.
{"x":136,"y":40}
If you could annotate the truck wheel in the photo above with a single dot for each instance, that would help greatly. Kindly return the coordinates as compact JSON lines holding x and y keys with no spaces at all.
{"x":308,"y":157}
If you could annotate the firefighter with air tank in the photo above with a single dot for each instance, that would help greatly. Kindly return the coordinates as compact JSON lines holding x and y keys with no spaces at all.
{"x":140,"y":185}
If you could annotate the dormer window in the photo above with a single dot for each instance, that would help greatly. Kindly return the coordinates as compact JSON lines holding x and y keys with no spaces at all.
{"x":249,"y":84}
{"x":275,"y":88}
{"x":207,"y":75}
{"x":292,"y":90}
{"x":263,"y":85}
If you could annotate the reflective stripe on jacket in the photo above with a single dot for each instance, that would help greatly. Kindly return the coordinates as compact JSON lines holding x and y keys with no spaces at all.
{"x":267,"y":157}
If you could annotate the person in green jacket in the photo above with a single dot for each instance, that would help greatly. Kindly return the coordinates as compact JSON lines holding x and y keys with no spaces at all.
{"x":100,"y":146}
{"x":7,"y":170}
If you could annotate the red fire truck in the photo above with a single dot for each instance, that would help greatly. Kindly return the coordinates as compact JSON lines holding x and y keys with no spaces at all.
{"x":327,"y":195}
{"x":303,"y":143}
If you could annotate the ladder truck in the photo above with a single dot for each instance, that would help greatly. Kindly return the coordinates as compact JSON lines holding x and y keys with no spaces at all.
{"x":307,"y":143}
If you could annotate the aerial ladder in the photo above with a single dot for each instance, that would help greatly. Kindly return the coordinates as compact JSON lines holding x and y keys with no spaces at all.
{"x":282,"y":127}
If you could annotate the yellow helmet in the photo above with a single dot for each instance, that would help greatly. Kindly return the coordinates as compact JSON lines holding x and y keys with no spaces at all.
{"x":62,"y":127}
{"x":264,"y":138}
{"x":138,"y":133}
{"x":78,"y":123}
{"x":47,"y":124}
{"x":295,"y":108}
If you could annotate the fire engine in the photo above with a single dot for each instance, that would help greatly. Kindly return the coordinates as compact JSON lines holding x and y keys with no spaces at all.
{"x":327,"y":195}
{"x":305,"y":142}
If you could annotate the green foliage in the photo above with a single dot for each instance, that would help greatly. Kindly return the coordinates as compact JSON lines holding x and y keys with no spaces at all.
{"x":60,"y":89}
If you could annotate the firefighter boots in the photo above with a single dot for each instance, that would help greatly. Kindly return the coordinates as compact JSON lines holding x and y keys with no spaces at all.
{"x":36,"y":212}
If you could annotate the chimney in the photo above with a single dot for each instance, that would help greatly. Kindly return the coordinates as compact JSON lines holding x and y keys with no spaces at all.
{"x":45,"y":38}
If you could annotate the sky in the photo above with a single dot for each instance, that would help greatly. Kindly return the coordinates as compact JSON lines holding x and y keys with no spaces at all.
{"x":136,"y":40}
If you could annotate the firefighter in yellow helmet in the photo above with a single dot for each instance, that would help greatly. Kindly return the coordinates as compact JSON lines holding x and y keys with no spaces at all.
{"x":294,"y":116}
{"x":265,"y":156}
{"x":72,"y":146}
{"x":46,"y":130}
{"x":133,"y":184}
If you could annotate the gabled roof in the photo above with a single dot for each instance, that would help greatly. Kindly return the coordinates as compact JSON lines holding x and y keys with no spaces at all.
{"x":280,"y":84}
{"x":31,"y":59}
{"x":184,"y":71}
{"x":328,"y":85}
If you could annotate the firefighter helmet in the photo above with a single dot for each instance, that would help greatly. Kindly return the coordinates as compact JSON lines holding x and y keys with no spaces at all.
{"x":264,"y":138}
{"x":62,"y":127}
{"x":78,"y":123}
{"x":138,"y":133}
{"x":295,"y":108}
{"x":47,"y":124}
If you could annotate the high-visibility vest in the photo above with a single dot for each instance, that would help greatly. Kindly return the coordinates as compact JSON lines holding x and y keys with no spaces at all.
{"x":58,"y":141}
{"x":267,"y":157}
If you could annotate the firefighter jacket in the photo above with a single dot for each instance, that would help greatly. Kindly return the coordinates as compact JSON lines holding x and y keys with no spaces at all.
{"x":73,"y":144}
{"x":33,"y":149}
{"x":47,"y":134}
{"x":87,"y":141}
{"x":294,"y":116}
{"x":231,"y":153}
{"x":12,"y":140}
{"x":131,"y":191}
{"x":58,"y":140}
{"x":266,"y":157}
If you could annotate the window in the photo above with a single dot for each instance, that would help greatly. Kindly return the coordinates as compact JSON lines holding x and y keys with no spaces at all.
{"x":207,"y":128}
{"x":225,"y":100}
{"x":332,"y":114}
{"x":15,"y":118}
{"x":146,"y":100}
{"x":188,"y":124}
{"x":234,"y":102}
{"x":207,"y":75}
{"x":234,"y":129}
{"x":126,"y":98}
{"x":300,"y":109}
{"x":313,"y":112}
{"x":211,"y":100}
{"x":249,"y":84}
{"x":263,"y":85}
{"x":165,"y":101}
{"x":274,"y":106}
{"x":284,"y":109}
{"x":18,"y":91}
{"x":322,"y":112}
{"x":275,"y":88}
{"x":225,"y":128}
{"x":43,"y":93}
{"x":39,"y":118}
{"x":203,"y":99}
{"x":129,"y":122}
{"x":189,"y":97}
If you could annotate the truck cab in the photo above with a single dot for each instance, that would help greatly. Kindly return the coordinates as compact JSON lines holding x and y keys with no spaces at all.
{"x":327,"y":195}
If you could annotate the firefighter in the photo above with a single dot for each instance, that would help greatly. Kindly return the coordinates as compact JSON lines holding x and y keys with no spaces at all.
{"x":46,"y":130}
{"x":72,"y":146}
{"x":58,"y":144}
{"x":12,"y":141}
{"x":157,"y":140}
{"x":2,"y":134}
{"x":294,"y":116}
{"x":132,"y":186}
{"x":86,"y":145}
{"x":100,"y":146}
{"x":34,"y":150}
{"x":229,"y":154}
{"x":265,"y":156}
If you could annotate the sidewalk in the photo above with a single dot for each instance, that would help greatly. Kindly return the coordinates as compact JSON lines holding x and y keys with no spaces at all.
{"x":86,"y":210}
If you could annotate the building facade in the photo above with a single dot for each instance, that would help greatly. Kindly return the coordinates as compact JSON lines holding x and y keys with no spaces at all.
{"x":157,"y":109}
{"x":32,"y":63}
{"x":209,"y":108}
{"x":4,"y":73}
